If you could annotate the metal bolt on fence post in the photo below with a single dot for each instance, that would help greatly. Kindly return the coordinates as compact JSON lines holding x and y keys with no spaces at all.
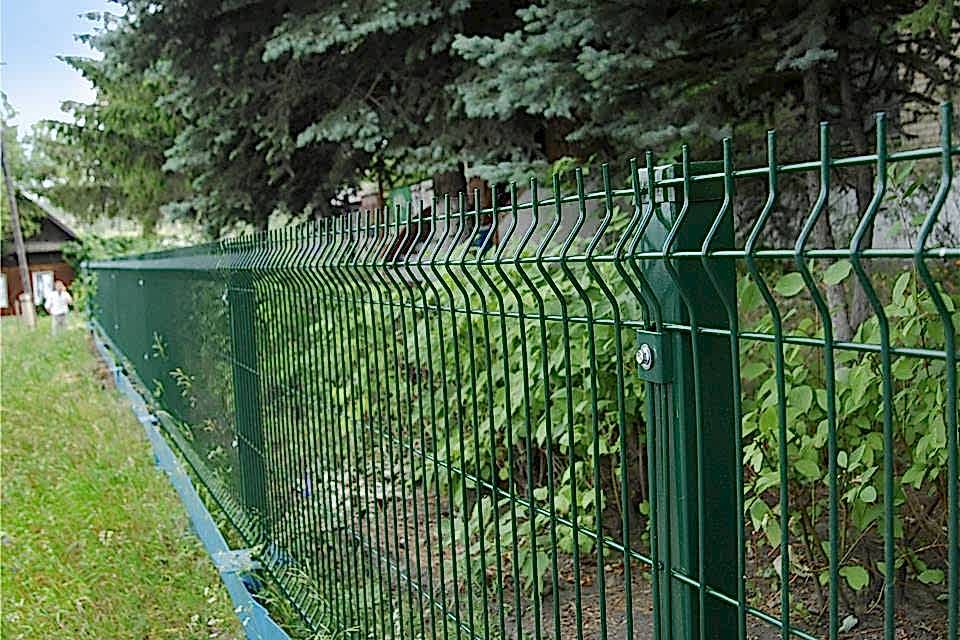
{"x":645,"y":357}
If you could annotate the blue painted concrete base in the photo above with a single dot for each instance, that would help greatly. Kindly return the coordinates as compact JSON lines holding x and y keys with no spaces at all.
{"x":234,"y":565}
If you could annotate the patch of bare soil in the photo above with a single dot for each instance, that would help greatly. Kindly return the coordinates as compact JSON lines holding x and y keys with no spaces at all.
{"x":100,"y":370}
{"x":417,"y":558}
{"x":422,"y":557}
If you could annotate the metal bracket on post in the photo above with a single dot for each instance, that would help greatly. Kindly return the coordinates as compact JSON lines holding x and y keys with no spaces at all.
{"x":653,"y":357}
{"x":235,"y":561}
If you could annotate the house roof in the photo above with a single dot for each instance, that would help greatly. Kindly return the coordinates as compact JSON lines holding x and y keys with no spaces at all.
{"x":48,"y":240}
{"x":62,"y":225}
{"x":57,"y":222}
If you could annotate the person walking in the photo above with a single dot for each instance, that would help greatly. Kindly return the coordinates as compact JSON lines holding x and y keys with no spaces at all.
{"x":57,"y":304}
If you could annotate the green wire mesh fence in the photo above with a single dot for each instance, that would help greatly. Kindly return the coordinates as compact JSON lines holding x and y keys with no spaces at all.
{"x":597,"y":411}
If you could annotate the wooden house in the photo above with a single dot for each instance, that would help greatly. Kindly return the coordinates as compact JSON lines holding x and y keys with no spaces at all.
{"x":45,"y":256}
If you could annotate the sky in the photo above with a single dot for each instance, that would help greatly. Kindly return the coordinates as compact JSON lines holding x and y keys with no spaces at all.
{"x":32,"y":34}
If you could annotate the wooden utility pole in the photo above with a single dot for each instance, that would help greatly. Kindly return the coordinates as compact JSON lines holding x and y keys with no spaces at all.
{"x":26,"y":298}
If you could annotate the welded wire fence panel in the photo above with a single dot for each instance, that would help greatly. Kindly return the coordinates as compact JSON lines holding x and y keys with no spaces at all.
{"x":651,"y":405}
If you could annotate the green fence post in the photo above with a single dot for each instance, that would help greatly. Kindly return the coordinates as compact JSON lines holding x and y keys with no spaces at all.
{"x":666,"y":360}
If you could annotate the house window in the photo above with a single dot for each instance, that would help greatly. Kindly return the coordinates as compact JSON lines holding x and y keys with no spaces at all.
{"x":4,"y":303}
{"x":42,"y":285}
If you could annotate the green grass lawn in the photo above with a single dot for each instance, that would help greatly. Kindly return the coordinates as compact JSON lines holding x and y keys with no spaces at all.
{"x":95,"y":542}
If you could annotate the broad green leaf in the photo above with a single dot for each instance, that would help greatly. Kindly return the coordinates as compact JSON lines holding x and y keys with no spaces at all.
{"x":857,"y":456}
{"x":772,"y":532}
{"x":842,"y":459}
{"x":822,"y":399}
{"x":857,"y":577}
{"x":749,"y":295}
{"x":869,"y":494}
{"x":768,"y":420}
{"x":903,"y":369}
{"x":931,"y":576}
{"x":900,"y":288}
{"x":752,"y":370}
{"x":766,"y":480}
{"x":758,"y":510}
{"x":835,"y":273}
{"x":801,"y":398}
{"x":808,"y":468}
{"x":820,"y":437}
{"x":789,"y":285}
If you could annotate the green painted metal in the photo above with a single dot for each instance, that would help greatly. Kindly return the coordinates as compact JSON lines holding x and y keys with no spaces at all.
{"x":696,"y":494}
{"x":586,"y":412}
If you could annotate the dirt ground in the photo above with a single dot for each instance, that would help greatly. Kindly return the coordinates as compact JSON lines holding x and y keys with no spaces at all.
{"x":418,"y":543}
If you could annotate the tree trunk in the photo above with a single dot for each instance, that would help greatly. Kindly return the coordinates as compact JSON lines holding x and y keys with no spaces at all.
{"x":823,"y":231}
{"x":860,"y":308}
{"x":451,"y":182}
{"x":555,"y":145}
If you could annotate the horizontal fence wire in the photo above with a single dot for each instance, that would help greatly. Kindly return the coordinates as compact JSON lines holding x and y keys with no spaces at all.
{"x":646,"y":410}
